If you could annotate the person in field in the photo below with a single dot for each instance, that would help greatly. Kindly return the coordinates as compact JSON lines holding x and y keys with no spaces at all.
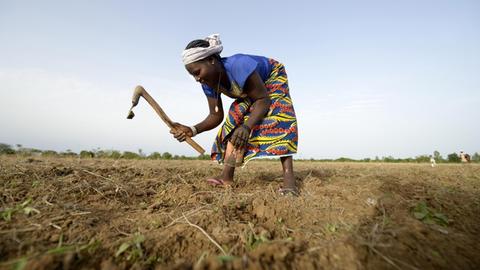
{"x":261,"y":121}
{"x":464,"y":157}
{"x":433,"y":163}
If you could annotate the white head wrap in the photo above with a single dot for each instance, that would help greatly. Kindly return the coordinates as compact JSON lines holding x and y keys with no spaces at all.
{"x":194,"y":54}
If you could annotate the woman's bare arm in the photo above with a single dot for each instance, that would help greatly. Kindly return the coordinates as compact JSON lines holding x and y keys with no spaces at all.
{"x":257,"y":92}
{"x":213,"y":118}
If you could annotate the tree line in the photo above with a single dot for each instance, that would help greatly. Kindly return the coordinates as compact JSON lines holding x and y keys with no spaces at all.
{"x":6,"y":149}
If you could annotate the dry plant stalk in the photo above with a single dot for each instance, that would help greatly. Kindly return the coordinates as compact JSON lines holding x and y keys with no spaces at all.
{"x":206,"y":234}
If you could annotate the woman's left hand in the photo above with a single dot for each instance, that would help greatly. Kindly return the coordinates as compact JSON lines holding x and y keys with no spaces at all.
{"x":240,"y":137}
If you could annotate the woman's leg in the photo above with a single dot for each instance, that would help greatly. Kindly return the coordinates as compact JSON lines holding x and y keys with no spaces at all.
{"x":288,"y":177}
{"x":228,"y":170}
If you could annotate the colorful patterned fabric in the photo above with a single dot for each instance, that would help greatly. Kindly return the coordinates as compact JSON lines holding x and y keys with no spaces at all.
{"x":276,"y":134}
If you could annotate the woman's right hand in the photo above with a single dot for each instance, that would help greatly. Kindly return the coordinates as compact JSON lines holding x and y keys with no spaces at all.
{"x":180,"y":132}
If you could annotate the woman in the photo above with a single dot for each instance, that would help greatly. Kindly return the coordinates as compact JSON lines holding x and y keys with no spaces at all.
{"x":261,"y":122}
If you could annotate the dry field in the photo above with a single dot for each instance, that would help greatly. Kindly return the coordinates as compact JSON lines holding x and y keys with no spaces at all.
{"x":61,"y":213}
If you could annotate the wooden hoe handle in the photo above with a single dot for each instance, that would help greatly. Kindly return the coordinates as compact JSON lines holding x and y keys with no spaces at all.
{"x":141,"y":92}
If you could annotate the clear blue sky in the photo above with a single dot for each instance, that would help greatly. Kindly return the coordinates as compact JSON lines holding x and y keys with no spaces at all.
{"x":368,"y":78}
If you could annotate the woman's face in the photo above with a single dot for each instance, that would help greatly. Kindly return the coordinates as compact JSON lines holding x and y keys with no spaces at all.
{"x":204,"y":72}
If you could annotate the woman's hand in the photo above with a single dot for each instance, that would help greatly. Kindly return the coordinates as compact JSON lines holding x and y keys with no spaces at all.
{"x":180,"y":132}
{"x":240,"y":136}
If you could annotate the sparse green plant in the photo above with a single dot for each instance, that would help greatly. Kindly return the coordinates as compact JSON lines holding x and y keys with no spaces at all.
{"x":90,"y":247}
{"x":280,"y":220}
{"x":20,"y":264}
{"x":428,"y":215}
{"x":331,"y":227}
{"x":132,"y":248}
{"x":7,"y":213}
{"x":226,"y":258}
{"x":151,"y":260}
{"x":253,"y":240}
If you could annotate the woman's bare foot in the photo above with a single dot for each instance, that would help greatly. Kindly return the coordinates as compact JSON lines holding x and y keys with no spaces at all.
{"x":226,"y":179}
{"x":217,"y":181}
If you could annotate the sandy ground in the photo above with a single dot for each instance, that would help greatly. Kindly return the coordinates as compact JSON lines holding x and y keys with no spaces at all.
{"x":116,"y":214}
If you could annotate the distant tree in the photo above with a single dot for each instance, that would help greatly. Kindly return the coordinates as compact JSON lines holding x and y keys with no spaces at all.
{"x":100,"y":153}
{"x":24,"y":151}
{"x":69,"y":153}
{"x":167,"y":155}
{"x":344,"y":159}
{"x":204,"y":157}
{"x":366,"y":160}
{"x":49,"y":153}
{"x":155,"y":155}
{"x":6,"y":149}
{"x":86,"y":154}
{"x":96,"y":150}
{"x":130,"y":155}
{"x":140,"y":153}
{"x":422,"y":158}
{"x":388,"y":159}
{"x":437,"y":156}
{"x":453,"y":157}
{"x":114,"y":154}
{"x":476,"y":157}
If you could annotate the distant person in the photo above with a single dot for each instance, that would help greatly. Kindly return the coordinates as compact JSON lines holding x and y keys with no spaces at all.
{"x":261,"y":121}
{"x":464,"y":157}
{"x":433,"y":163}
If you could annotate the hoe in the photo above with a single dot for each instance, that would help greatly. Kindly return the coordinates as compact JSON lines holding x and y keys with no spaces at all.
{"x":141,"y":92}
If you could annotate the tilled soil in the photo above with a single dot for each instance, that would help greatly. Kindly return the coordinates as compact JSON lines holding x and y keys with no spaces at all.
{"x":61,"y":213}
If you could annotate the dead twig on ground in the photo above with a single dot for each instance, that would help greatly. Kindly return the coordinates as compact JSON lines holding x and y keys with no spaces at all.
{"x":117,"y":186}
{"x":179,"y":218}
{"x":122,"y":233}
{"x":183,"y":179}
{"x":80,"y":213}
{"x":206,"y":234}
{"x":55,"y":226}
{"x":390,"y":261}
{"x":98,"y":191}
{"x":18,"y":230}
